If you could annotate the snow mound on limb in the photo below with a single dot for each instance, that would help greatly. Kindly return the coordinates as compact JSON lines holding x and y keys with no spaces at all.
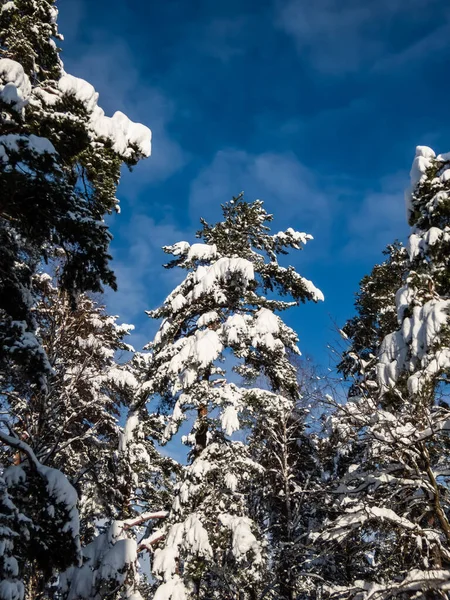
{"x":222,"y":270}
{"x":243,"y":540}
{"x":423,"y":159}
{"x":128,"y":139}
{"x":12,"y":142}
{"x":108,"y":560}
{"x":173,"y":589}
{"x":15,"y":86}
{"x":191,"y":535}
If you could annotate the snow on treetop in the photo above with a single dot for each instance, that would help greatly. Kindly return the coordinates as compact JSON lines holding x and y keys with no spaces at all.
{"x":420,"y":164}
{"x":294,"y":238}
{"x":422,"y":161}
{"x":15,"y":86}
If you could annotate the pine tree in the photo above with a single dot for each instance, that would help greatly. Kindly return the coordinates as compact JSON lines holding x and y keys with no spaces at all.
{"x":59,"y":169}
{"x":60,"y":166}
{"x":39,"y":523}
{"x":390,"y":534}
{"x":72,"y":426}
{"x":376,"y":316}
{"x":221,"y":315}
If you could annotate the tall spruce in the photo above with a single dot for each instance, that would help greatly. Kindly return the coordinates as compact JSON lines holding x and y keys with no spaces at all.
{"x":376,"y":316}
{"x":72,"y":428}
{"x":221,"y":319}
{"x":389,"y":536}
{"x":59,"y":169}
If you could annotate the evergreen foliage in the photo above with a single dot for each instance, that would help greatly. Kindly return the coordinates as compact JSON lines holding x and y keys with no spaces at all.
{"x":273,"y":503}
{"x":222,"y":315}
{"x":388,"y":532}
{"x":59,"y":169}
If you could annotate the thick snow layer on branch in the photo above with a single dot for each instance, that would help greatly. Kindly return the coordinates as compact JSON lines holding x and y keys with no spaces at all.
{"x":265,"y":330}
{"x":62,"y":492}
{"x":14,"y":475}
{"x":313,"y":291}
{"x":243,"y":540}
{"x":124,"y":134}
{"x":415,"y":580}
{"x":83,"y":91}
{"x":108,"y":558}
{"x":173,"y":589}
{"x":15,"y":87}
{"x":121,"y":554}
{"x":412,"y":346}
{"x":196,"y":351}
{"x":196,"y":537}
{"x":178,"y":302}
{"x":229,"y":420}
{"x":222,"y":270}
{"x":202,"y":252}
{"x":121,"y":377}
{"x":291,"y":237}
{"x":127,"y":436}
{"x":356,"y":517}
{"x":422,"y":161}
{"x":11,"y":590}
{"x":235,"y":327}
{"x":13,"y":143}
{"x":191,"y":535}
{"x":207,"y":318}
{"x":177,"y":249}
{"x":420,"y":244}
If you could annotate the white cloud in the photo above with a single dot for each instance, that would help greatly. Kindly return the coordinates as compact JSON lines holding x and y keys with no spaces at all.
{"x":287,"y":187}
{"x":222,"y":38}
{"x":342,"y":36}
{"x":379,"y":219}
{"x":142,"y":281}
{"x":346,"y":223}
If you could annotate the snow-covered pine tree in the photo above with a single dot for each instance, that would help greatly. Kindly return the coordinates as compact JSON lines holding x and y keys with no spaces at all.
{"x":222,"y":314}
{"x":59,"y":169}
{"x":39,"y":523}
{"x":376,"y":316}
{"x":72,"y":425}
{"x":390,"y":532}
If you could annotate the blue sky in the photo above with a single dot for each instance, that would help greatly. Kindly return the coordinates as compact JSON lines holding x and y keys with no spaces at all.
{"x":313,"y":107}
